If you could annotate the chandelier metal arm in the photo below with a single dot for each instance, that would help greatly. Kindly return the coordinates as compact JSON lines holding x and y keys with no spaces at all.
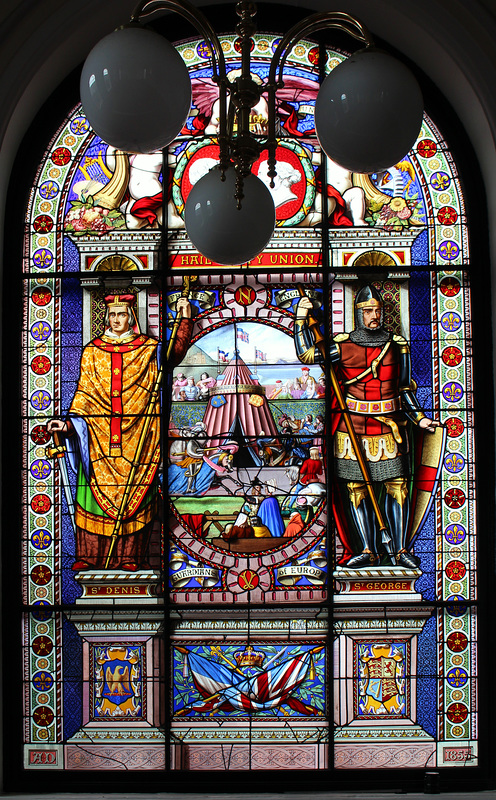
{"x":271,"y":131}
{"x":196,"y":18}
{"x":203,"y":26}
{"x":309,"y":25}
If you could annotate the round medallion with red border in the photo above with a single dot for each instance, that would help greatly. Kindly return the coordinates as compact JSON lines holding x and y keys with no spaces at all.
{"x":290,"y":182}
{"x":41,"y":575}
{"x":447,"y":215}
{"x":238,"y":43}
{"x":61,"y":156}
{"x":40,"y":435}
{"x":294,"y":185}
{"x":454,"y":498}
{"x":194,"y":169}
{"x":313,"y":56}
{"x":454,"y":427}
{"x":457,"y":712}
{"x":43,"y":224}
{"x":457,"y":642}
{"x":41,"y":365}
{"x":248,"y":580}
{"x":245,"y":295}
{"x":450,"y":286}
{"x":452,"y":356}
{"x":41,"y":503}
{"x":42,"y":646}
{"x":455,"y":570}
{"x":41,"y":296}
{"x":43,"y":716}
{"x":427,"y":148}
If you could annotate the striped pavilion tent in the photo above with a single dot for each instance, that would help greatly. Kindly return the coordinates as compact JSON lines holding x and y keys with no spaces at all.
{"x":238,"y":405}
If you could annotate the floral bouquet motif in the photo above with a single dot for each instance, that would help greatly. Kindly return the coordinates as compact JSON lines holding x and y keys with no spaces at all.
{"x":86,"y":219}
{"x":393,"y":216}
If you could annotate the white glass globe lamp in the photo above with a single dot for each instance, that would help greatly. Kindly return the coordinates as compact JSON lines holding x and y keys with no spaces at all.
{"x":368,"y":112}
{"x":218,"y":229}
{"x":135,"y":90}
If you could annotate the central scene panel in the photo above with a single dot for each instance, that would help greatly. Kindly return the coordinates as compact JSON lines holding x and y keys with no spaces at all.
{"x":246,"y":455}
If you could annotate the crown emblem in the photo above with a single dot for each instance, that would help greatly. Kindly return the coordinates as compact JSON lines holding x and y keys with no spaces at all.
{"x":249,"y":657}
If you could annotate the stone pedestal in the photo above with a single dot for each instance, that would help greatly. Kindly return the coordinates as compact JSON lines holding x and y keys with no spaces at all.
{"x":114,"y":587}
{"x":245,"y":746}
{"x":123,"y":695}
{"x":377,"y":619}
{"x":376,"y":584}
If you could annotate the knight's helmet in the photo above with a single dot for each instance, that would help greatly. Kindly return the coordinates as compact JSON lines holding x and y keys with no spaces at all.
{"x":366,"y":297}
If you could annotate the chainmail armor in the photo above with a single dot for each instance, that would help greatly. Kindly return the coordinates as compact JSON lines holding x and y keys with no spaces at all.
{"x":370,"y":338}
{"x":349,"y":470}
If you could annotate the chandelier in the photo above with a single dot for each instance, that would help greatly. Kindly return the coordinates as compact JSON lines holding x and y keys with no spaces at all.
{"x":136,"y":94}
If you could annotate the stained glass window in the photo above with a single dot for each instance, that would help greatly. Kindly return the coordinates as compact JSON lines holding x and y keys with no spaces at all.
{"x":212,"y":579}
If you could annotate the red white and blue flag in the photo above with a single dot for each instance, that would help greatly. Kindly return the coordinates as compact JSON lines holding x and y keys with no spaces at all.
{"x":241,"y":334}
{"x":229,"y":689}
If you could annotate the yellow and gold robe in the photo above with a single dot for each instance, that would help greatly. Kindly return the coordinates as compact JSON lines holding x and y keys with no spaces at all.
{"x":113,"y":393}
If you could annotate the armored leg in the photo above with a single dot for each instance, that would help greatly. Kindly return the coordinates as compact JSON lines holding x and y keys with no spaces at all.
{"x":192,"y":471}
{"x":397,"y":509}
{"x":364,"y":519}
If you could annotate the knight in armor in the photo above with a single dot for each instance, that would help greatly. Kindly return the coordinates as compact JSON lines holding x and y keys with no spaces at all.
{"x":374,"y":370}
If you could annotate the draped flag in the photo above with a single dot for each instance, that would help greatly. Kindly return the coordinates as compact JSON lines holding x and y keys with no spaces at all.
{"x":230,"y":689}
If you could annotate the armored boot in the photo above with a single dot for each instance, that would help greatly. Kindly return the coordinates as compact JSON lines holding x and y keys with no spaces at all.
{"x":397,"y":508}
{"x":364,"y":519}
{"x":191,"y":472}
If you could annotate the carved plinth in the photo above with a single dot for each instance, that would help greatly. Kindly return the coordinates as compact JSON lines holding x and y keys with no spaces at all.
{"x":376,"y":584}
{"x":378,"y":618}
{"x":118,"y":587}
{"x":122,"y":696}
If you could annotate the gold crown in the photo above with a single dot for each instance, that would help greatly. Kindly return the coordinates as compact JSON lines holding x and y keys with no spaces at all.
{"x":249,"y":657}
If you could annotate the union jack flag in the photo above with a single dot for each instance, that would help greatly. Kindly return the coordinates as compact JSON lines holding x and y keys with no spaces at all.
{"x":241,"y":334}
{"x":222,"y":355}
{"x":229,"y":689}
{"x":261,"y":356}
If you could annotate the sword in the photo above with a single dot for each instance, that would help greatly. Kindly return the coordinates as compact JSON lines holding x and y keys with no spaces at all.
{"x":57,"y":453}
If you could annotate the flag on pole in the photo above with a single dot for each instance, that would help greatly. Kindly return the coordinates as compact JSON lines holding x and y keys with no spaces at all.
{"x":241,"y":334}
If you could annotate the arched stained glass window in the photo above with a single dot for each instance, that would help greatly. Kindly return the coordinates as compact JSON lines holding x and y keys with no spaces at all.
{"x":212,"y":579}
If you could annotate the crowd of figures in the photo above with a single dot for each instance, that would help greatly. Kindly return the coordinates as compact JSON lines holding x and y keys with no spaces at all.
{"x":198,"y":466}
{"x":301,"y":387}
{"x":186,"y":388}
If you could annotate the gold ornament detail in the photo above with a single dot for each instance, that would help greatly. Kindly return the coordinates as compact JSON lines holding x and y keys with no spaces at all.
{"x":374,"y":258}
{"x":116,"y":263}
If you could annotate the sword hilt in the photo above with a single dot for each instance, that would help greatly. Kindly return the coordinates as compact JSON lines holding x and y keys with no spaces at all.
{"x":57,"y":450}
